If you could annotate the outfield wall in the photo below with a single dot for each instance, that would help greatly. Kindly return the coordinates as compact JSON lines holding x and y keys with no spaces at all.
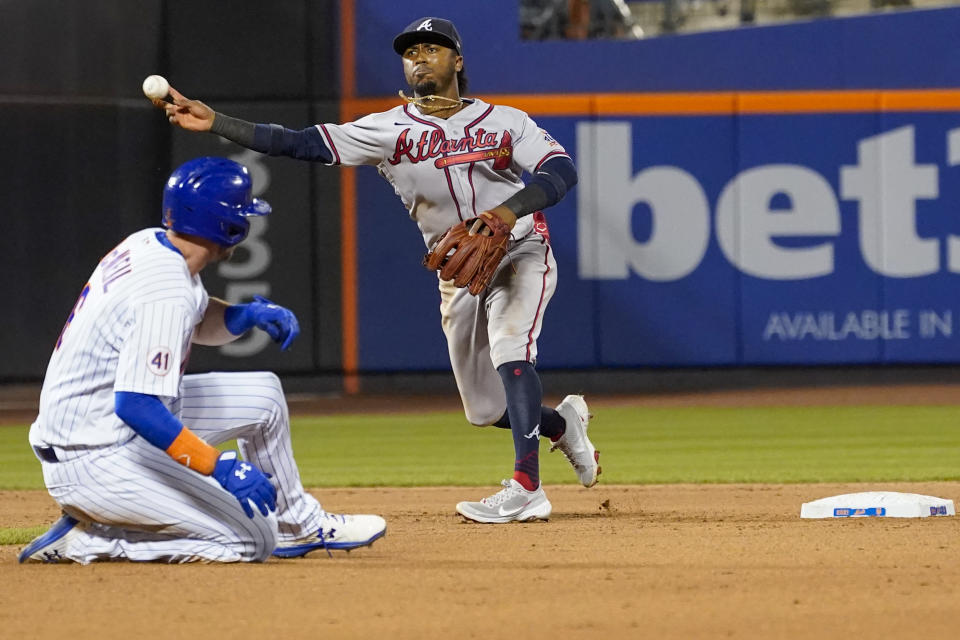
{"x":762,"y":196}
{"x":726,"y":239}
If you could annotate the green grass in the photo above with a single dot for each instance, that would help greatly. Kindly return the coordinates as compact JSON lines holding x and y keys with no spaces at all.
{"x":19,"y":468}
{"x":639,"y":445}
{"x":21,"y":535}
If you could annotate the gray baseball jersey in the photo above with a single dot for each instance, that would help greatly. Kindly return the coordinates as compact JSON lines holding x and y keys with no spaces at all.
{"x":448,"y":170}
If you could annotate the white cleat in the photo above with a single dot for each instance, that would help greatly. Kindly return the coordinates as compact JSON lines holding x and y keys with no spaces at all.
{"x":344,"y":532}
{"x":513,"y":503}
{"x":574,"y":443}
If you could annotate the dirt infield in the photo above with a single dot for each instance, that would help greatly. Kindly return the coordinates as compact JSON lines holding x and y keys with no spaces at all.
{"x":664,"y":562}
{"x":613,"y":562}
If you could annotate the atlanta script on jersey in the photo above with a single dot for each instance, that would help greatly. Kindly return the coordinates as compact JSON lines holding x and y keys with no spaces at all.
{"x":447,"y":170}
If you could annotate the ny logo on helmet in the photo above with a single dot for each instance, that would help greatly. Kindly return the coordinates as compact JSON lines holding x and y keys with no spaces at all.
{"x":426,"y":25}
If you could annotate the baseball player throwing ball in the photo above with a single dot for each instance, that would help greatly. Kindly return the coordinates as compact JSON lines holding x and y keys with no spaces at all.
{"x":126,"y":440}
{"x":456,"y":163}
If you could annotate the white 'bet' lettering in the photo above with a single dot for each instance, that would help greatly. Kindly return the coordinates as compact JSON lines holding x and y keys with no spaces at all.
{"x":885,"y":183}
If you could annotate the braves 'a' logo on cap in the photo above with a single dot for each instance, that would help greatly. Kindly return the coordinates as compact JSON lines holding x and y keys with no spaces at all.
{"x":426,"y":25}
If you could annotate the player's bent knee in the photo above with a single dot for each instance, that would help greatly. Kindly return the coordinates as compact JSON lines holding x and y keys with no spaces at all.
{"x":276,"y":393}
{"x":271,"y":383}
{"x":270,"y":389}
{"x":483,"y":418}
{"x":264,"y":538}
{"x":274,"y":380}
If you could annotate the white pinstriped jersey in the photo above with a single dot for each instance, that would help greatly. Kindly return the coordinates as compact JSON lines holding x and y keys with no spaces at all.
{"x":130,"y":330}
{"x":447,"y":170}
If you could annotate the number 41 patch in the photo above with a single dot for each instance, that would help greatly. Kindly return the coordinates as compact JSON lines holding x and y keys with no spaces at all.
{"x":159,"y":361}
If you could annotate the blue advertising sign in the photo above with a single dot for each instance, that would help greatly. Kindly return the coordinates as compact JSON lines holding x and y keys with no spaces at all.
{"x":833,"y":235}
{"x":792,"y":238}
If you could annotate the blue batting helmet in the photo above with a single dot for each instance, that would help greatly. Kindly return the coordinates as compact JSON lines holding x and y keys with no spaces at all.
{"x":211,"y":198}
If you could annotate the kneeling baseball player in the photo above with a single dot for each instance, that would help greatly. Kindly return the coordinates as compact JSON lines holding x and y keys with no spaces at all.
{"x":126,"y":441}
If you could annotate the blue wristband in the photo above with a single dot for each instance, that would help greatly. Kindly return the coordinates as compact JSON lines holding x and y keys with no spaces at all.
{"x":238,"y":319}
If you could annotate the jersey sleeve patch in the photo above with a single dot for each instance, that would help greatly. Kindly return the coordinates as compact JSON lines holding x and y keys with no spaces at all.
{"x":156,"y":347}
{"x":549,"y":139}
{"x":159,"y":361}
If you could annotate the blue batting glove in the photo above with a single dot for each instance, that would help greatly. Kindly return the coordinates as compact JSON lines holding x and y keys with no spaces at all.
{"x":279,"y":322}
{"x":246,"y":483}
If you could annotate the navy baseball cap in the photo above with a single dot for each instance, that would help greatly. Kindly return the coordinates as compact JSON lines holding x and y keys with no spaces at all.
{"x":435,"y":30}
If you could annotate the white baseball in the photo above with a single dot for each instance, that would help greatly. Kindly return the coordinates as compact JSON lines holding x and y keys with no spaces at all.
{"x":156,"y":87}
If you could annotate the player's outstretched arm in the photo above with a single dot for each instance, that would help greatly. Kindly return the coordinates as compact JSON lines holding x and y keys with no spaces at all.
{"x":192,"y":115}
{"x":272,"y":139}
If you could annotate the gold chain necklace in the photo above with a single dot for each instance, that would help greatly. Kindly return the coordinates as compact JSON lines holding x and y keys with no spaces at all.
{"x":428,"y":104}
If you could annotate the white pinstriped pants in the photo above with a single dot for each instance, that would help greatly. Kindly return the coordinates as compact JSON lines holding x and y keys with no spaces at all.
{"x":141,"y":505}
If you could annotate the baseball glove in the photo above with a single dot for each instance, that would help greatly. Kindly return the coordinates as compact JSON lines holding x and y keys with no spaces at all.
{"x":470,"y":251}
